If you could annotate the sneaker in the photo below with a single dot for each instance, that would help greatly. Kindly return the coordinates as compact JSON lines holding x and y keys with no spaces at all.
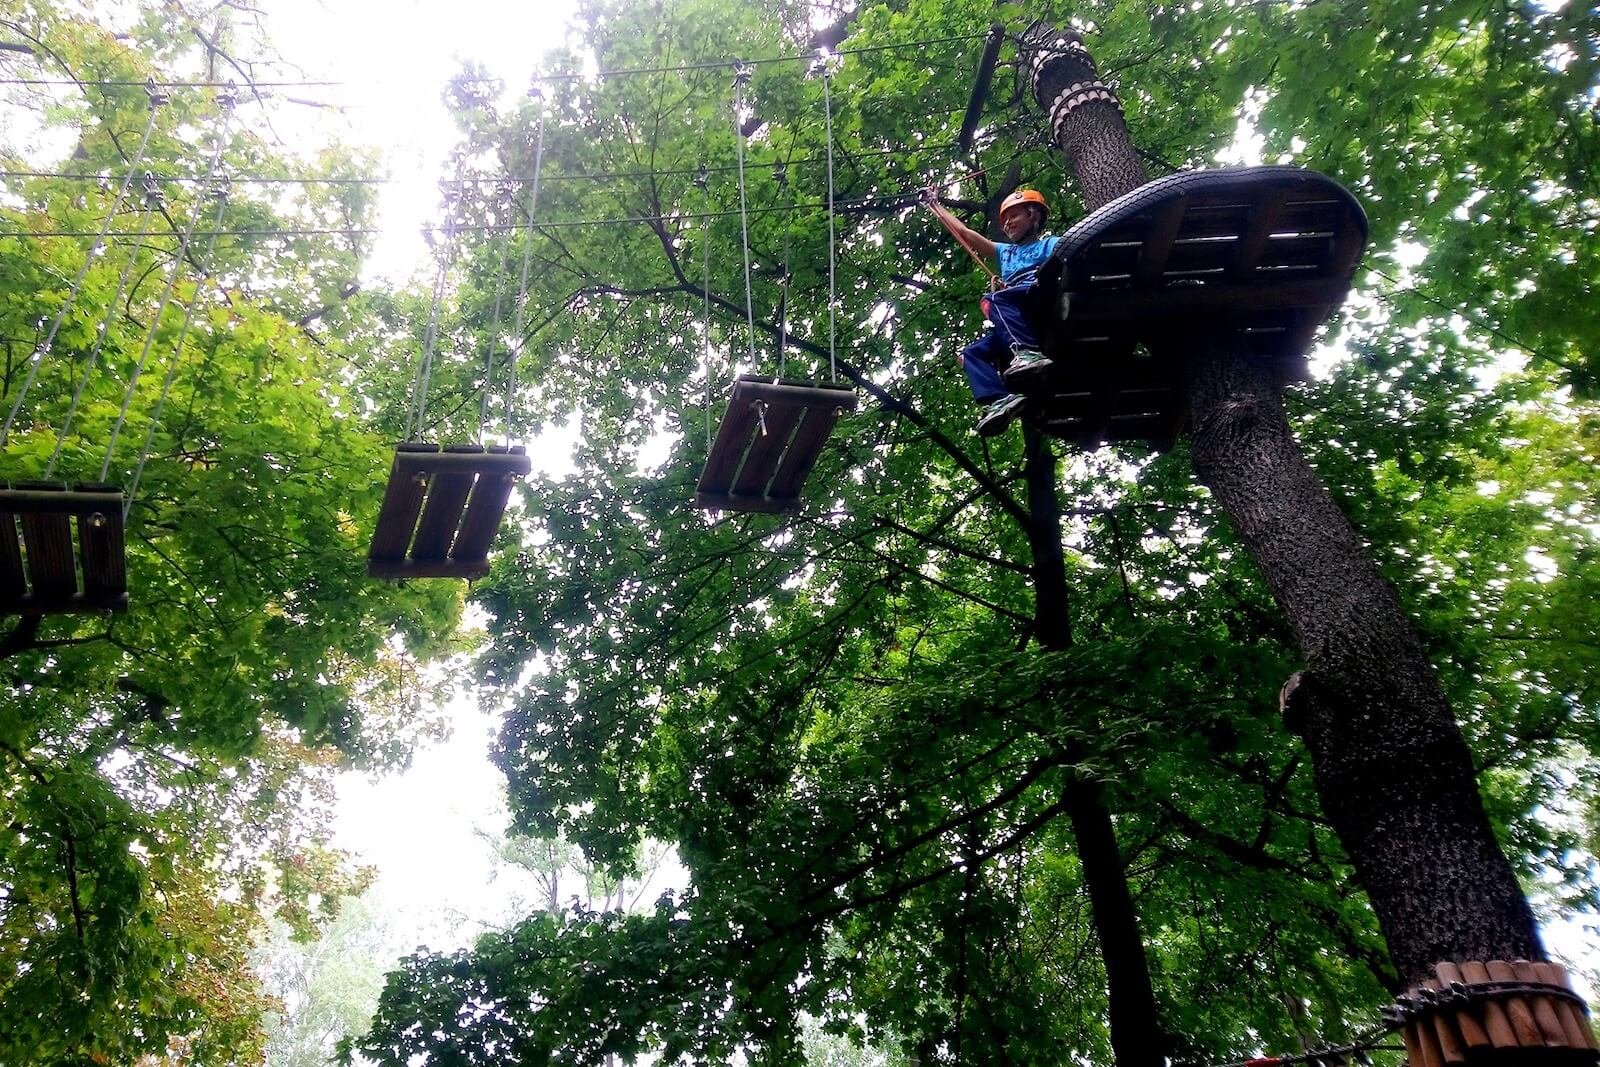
{"x":1027,"y":369}
{"x":999,"y":415}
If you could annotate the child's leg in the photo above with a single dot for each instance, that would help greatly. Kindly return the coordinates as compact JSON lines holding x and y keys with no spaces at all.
{"x":1010,"y":322}
{"x":980,"y":360}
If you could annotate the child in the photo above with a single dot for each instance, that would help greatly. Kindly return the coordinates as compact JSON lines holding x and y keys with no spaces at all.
{"x":1010,"y":347}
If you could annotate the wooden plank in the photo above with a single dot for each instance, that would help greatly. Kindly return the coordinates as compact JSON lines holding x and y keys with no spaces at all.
{"x":803,"y":452}
{"x":101,"y":548}
{"x":1158,"y":240}
{"x":727,"y":451}
{"x":766,"y":505}
{"x":426,"y":568}
{"x":1208,"y":299}
{"x":397,"y":516}
{"x":441,"y":512}
{"x":1253,"y":242}
{"x":485,"y":508}
{"x":55,"y":498}
{"x":47,"y":545}
{"x":766,"y":450}
{"x":13,"y":581}
{"x":461,"y":459}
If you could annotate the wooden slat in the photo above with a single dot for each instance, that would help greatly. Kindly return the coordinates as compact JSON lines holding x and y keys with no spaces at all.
{"x":766,"y":450}
{"x":402,"y":501}
{"x":13,"y":582}
{"x":441,"y":512}
{"x":1209,"y":299}
{"x":1246,"y":256}
{"x":485,"y":508}
{"x":803,"y":452}
{"x":401,"y":569}
{"x":727,"y":451}
{"x":747,"y":472}
{"x":1158,"y":240}
{"x":101,"y":550}
{"x":47,"y":544}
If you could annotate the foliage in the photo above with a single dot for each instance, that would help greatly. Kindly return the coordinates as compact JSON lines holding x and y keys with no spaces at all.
{"x":165,"y":771}
{"x":839,"y":718}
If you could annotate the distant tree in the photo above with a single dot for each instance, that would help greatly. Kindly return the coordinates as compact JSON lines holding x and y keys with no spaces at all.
{"x":164,"y":773}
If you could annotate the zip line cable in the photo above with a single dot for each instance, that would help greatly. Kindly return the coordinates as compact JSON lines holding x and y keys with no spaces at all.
{"x":741,"y":75}
{"x":719,"y":64}
{"x":83,"y":271}
{"x":613,"y":175}
{"x":152,"y":199}
{"x":527,"y":256}
{"x":166,"y":295}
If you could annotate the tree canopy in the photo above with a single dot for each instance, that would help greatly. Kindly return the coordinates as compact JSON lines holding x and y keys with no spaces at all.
{"x":842,"y":718}
{"x":165,"y":771}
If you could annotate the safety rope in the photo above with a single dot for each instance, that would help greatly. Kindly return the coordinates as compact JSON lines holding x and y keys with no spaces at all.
{"x":703,"y":181}
{"x":537,"y":95}
{"x":494,"y":329}
{"x":220,"y":192}
{"x":156,"y":100}
{"x":152,"y":199}
{"x":452,"y":204}
{"x":166,"y":294}
{"x":827,"y":115}
{"x":780,"y":175}
{"x":741,"y":76}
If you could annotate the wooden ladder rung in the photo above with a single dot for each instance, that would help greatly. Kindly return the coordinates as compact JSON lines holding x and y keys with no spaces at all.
{"x":442,"y":508}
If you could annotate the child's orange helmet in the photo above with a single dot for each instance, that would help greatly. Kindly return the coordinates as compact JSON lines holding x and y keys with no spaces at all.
{"x":1025,"y":196}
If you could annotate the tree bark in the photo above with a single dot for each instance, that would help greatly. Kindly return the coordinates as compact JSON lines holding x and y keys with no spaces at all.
{"x":1393,"y":771}
{"x":1137,"y":1037}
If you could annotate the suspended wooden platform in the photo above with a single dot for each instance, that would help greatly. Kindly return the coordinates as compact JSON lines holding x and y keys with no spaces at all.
{"x":1254,"y":258}
{"x":40,"y":573}
{"x":770,"y":438}
{"x":442,"y":508}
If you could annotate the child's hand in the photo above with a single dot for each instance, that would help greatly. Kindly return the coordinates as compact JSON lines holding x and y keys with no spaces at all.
{"x":930,"y":195}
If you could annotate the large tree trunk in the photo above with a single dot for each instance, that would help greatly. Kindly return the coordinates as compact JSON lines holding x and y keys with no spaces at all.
{"x":1137,"y":1037}
{"x":1393,"y":771}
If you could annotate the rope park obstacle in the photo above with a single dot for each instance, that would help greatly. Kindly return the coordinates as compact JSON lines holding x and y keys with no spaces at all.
{"x":774,"y":429}
{"x":70,"y":556}
{"x":443,"y":506}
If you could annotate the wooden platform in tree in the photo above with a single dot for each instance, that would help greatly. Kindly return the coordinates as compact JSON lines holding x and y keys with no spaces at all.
{"x":441,"y":510}
{"x":770,"y":438}
{"x":70,"y":556}
{"x":1251,"y":257}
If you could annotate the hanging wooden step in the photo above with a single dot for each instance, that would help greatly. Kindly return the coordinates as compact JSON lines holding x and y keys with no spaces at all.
{"x":1254,"y":258}
{"x":39,"y":573}
{"x":442,"y":508}
{"x":770,"y":438}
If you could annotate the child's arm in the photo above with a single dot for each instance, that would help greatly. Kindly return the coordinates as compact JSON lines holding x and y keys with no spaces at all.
{"x":974,"y":240}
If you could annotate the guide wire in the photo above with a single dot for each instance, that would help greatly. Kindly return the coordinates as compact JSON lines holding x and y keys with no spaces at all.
{"x":166,"y":295}
{"x":152,"y":198}
{"x":741,"y":75}
{"x":431,"y":335}
{"x":827,"y":115}
{"x":95,"y":249}
{"x":494,"y":330}
{"x":221,"y":194}
{"x":527,"y":257}
{"x":703,"y":181}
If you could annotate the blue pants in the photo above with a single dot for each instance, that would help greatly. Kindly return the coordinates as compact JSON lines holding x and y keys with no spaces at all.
{"x":984,"y":358}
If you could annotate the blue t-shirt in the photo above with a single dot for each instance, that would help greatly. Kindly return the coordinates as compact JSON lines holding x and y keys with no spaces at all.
{"x":1023,"y":260}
